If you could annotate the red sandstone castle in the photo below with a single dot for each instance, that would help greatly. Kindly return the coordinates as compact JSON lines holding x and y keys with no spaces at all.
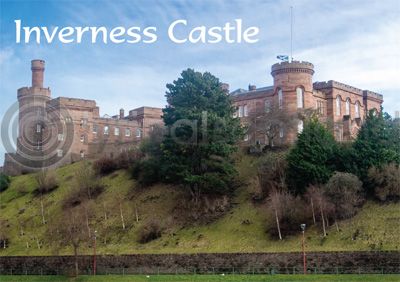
{"x":54,"y":132}
{"x":344,"y":106}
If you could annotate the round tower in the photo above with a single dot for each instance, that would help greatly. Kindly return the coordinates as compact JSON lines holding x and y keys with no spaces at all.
{"x":32,"y":111}
{"x":293,"y":80}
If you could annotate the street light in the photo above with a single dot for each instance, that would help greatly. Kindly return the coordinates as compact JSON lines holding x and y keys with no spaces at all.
{"x":303,"y":228}
{"x":94,"y":253}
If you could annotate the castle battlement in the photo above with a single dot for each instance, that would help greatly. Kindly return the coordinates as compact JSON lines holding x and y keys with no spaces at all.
{"x":339,"y":85}
{"x":294,"y":66}
{"x":370,"y":94}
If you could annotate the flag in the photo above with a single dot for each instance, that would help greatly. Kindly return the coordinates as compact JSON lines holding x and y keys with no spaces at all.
{"x":284,"y":58}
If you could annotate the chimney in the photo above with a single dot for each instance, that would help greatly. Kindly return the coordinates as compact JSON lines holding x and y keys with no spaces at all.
{"x":37,"y":67}
{"x":121,"y":114}
{"x":252,"y":87}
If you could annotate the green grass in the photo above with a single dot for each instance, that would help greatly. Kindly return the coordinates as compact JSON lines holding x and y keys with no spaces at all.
{"x":376,"y":224}
{"x":204,"y":278}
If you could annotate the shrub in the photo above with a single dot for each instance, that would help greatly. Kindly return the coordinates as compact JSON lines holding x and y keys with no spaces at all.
{"x":85,"y":187}
{"x":290,"y":211}
{"x":344,"y":191}
{"x":46,"y":181}
{"x":127,"y":159}
{"x":146,"y":172}
{"x":4,"y":182}
{"x":105,"y":166}
{"x":272,"y":172}
{"x":386,"y":181}
{"x":150,"y":231}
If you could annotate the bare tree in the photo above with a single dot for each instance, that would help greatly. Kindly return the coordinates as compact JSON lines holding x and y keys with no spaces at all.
{"x":316,"y":195}
{"x":272,"y":173}
{"x":275,"y":201}
{"x":71,"y":229}
{"x":271,"y":122}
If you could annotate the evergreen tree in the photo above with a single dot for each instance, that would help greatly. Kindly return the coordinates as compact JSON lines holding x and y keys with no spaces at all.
{"x":377,"y":144}
{"x":202,"y":135}
{"x":311,"y":160}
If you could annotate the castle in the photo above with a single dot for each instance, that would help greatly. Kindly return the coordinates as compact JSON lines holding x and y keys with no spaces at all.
{"x":54,"y":132}
{"x":293,"y":91}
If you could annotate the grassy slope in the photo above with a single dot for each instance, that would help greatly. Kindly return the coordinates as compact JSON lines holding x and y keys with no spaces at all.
{"x":377,"y":224}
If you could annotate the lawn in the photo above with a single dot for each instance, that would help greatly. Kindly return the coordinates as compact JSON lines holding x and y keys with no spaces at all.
{"x":203,"y":278}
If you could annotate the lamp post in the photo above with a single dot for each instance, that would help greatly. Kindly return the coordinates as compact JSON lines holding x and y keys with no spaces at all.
{"x":94,"y":253}
{"x":303,"y":228}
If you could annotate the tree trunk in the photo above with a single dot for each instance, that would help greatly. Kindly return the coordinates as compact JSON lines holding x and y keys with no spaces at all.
{"x":76,"y":261}
{"x":87,"y":222}
{"x":122,"y":216}
{"x":277,"y":224}
{"x":337,"y":226}
{"x":105,"y":211}
{"x":312,"y":208}
{"x":323,"y":220}
{"x":136,"y":214}
{"x":42,"y":210}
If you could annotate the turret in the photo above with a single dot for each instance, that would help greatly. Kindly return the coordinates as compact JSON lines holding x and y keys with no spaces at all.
{"x":37,"y":67}
{"x":294,"y":79}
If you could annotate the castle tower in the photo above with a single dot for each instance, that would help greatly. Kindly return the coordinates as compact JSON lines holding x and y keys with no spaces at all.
{"x":32,"y":112}
{"x":293,"y":85}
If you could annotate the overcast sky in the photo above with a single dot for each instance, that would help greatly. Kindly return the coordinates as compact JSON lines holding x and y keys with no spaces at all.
{"x":352,"y":41}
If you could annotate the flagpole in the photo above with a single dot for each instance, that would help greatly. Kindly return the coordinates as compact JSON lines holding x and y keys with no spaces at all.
{"x":291,"y":33}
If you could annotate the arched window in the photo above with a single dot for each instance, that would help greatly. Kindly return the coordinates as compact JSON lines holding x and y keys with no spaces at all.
{"x":338,"y":105}
{"x":138,"y":133}
{"x":267,"y":106}
{"x":300,"y":98}
{"x":357,"y":110}
{"x":280,"y":98}
{"x":300,"y":126}
{"x":347,"y":106}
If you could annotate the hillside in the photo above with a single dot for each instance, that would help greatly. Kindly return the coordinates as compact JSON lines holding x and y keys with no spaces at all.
{"x":241,"y":229}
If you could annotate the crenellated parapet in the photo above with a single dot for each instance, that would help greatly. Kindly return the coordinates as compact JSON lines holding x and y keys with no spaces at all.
{"x":292,"y":67}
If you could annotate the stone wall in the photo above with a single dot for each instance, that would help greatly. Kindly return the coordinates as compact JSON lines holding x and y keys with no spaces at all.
{"x":323,"y":262}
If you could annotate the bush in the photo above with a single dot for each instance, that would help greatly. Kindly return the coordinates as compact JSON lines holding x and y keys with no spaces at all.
{"x":150,"y":231}
{"x":272,"y":173}
{"x":127,"y":159}
{"x":146,"y":172}
{"x":291,"y":212}
{"x":4,"y":182}
{"x":46,"y":181}
{"x":344,"y":191}
{"x":105,"y":166}
{"x":386,"y":181}
{"x":86,"y":186}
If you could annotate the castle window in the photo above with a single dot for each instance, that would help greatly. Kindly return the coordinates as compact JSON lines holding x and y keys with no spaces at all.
{"x":267,"y":106}
{"x":95,"y":128}
{"x":357,"y":110}
{"x":38,"y":128}
{"x":116,"y":131}
{"x":106,"y":130}
{"x":83,"y":122}
{"x":138,"y":133}
{"x":246,"y":137}
{"x":68,"y":119}
{"x":320,"y":107}
{"x":59,"y":153}
{"x":60,"y":137}
{"x":127,"y":132}
{"x":235,"y":113}
{"x":280,"y":98}
{"x":300,"y":98}
{"x":245,"y":111}
{"x":83,"y":138}
{"x":82,"y":154}
{"x":241,"y":111}
{"x":347,"y":106}
{"x":338,"y":105}
{"x":300,"y":126}
{"x":281,"y":132}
